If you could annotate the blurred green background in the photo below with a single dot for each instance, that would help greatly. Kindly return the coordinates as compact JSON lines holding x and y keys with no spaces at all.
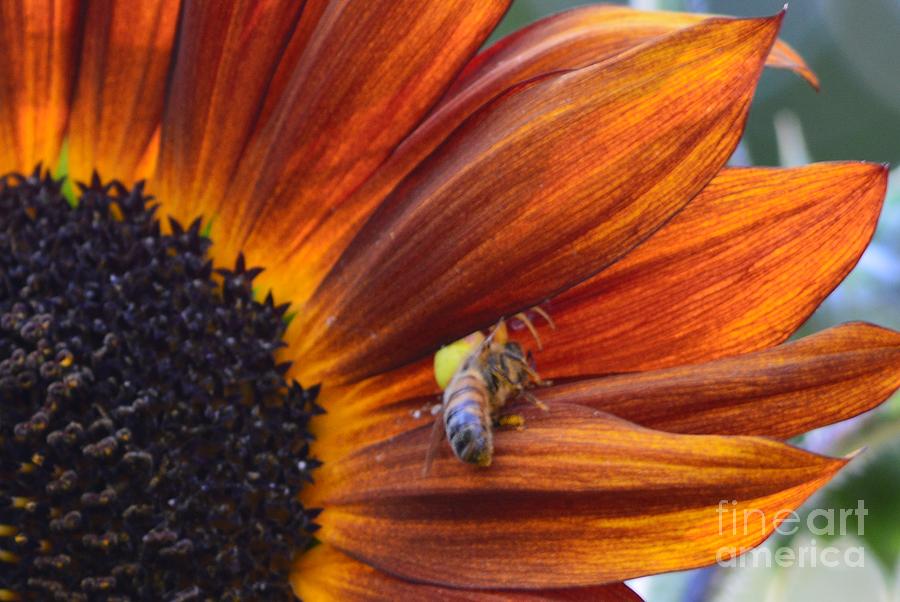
{"x":854,"y":47}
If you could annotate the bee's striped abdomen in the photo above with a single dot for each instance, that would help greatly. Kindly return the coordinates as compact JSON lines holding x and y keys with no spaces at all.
{"x":467,"y":418}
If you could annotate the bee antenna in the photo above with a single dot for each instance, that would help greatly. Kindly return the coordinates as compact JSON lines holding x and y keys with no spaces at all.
{"x":543,"y":313}
{"x":528,"y":324}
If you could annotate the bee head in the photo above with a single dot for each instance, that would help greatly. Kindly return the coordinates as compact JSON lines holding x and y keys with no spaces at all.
{"x":449,"y":358}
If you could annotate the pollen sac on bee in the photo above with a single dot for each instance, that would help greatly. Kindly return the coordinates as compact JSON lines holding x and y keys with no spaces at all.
{"x":448,"y":359}
{"x":150,"y":445}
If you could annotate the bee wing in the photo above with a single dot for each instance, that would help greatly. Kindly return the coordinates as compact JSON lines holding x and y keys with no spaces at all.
{"x":437,"y":433}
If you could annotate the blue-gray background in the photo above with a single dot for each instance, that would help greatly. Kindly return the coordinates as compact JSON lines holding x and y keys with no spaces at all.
{"x":854,"y":47}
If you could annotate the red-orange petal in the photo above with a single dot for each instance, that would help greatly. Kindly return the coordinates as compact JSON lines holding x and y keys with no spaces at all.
{"x":537,"y":192}
{"x":227,"y":54}
{"x":780,"y":392}
{"x":568,"y":40}
{"x":738,"y":270}
{"x":581,"y":36}
{"x":38,"y":51}
{"x":125,"y":56}
{"x":374,"y":409}
{"x":324,"y":573}
{"x":370,"y":72}
{"x":577,"y":498}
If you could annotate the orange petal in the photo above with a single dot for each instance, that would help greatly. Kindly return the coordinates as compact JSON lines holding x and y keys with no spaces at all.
{"x":537,"y":192}
{"x":324,"y":573}
{"x":578,"y":37}
{"x":119,"y":97}
{"x":568,"y":40}
{"x":38,"y":53}
{"x":227,"y":54}
{"x":374,"y":409}
{"x":785,"y":57}
{"x":781,"y":392}
{"x":738,"y":270}
{"x":370,"y":72}
{"x":576,"y":498}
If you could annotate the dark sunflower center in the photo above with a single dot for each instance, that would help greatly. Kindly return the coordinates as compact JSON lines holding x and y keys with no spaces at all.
{"x":150,"y":446}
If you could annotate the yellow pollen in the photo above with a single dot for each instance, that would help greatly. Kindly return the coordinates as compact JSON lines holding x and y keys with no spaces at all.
{"x":7,"y":556}
{"x":116,"y":212}
{"x":516,"y":421}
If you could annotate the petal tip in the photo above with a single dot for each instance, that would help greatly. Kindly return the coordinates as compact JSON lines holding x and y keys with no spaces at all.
{"x":855,"y":453}
{"x":785,"y":57}
{"x":767,"y":31}
{"x":880,"y":174}
{"x":866,"y":173}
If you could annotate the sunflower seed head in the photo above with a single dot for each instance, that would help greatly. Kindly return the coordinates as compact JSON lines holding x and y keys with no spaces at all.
{"x":151,"y":446}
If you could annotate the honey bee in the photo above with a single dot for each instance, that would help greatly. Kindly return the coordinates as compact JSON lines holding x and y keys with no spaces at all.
{"x":480,"y":374}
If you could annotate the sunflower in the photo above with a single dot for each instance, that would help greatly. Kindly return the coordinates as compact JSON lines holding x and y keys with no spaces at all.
{"x":162,"y":426}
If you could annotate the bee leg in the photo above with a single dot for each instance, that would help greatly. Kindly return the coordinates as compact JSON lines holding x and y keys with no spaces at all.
{"x":500,"y":375}
{"x":436,"y":435}
{"x":537,"y":402}
{"x":516,"y":421}
{"x":535,"y":377}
